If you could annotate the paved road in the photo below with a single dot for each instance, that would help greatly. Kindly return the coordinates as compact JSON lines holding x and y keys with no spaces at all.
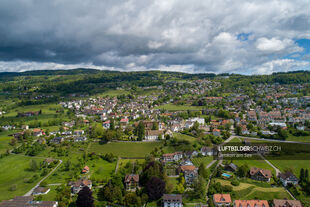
{"x":38,"y":184}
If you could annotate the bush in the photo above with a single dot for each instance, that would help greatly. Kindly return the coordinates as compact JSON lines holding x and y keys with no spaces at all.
{"x":13,"y":187}
{"x":43,"y":184}
{"x":235,"y":182}
{"x":227,"y":188}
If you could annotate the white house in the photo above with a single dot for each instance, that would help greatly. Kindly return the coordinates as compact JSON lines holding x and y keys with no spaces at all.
{"x":172,"y":200}
{"x":201,"y":121}
{"x":288,"y":178}
{"x":153,"y":135}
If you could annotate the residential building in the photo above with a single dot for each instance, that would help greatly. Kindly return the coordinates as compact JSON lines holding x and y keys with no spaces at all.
{"x":251,"y":203}
{"x":286,"y":203}
{"x":40,"y":191}
{"x":221,"y":199}
{"x":131,"y":181}
{"x":153,"y":135}
{"x":172,"y":200}
{"x":57,"y":140}
{"x":207,"y":151}
{"x":260,"y":174}
{"x":78,"y":132}
{"x":27,"y":201}
{"x":288,"y":178}
{"x":85,"y":170}
{"x":231,"y":167}
{"x":78,"y":185}
{"x":172,"y":156}
{"x":216,"y":132}
{"x":190,"y":173}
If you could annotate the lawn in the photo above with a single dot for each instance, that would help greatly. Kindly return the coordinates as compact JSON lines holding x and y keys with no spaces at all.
{"x":301,"y":161}
{"x":123,"y":162}
{"x":14,"y":170}
{"x":101,"y":169}
{"x":125,"y":149}
{"x":173,"y":107}
{"x":180,"y":136}
{"x":257,"y":162}
{"x":174,"y":182}
{"x":247,"y":191}
{"x":198,"y":160}
{"x":50,"y":196}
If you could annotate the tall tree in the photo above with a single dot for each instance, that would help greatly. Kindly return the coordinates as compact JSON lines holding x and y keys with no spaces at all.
{"x":306,"y":175}
{"x":302,"y":174}
{"x":202,"y":171}
{"x":85,"y":198}
{"x":141,"y":131}
{"x":155,"y":188}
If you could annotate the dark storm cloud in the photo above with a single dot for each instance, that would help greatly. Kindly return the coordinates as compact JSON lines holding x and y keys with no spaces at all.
{"x":181,"y":35}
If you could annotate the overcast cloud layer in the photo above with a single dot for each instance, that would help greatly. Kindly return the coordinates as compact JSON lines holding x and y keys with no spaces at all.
{"x":248,"y":37}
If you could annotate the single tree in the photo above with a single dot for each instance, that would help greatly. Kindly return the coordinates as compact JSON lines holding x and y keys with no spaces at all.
{"x":155,"y":188}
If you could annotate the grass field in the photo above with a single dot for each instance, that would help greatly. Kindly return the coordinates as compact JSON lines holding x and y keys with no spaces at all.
{"x":299,"y":139}
{"x":46,"y":109}
{"x":300,"y":161}
{"x":14,"y":171}
{"x":125,"y":149}
{"x":113,"y":93}
{"x":180,"y":136}
{"x":5,"y":140}
{"x":247,"y":191}
{"x":198,"y":160}
{"x":123,"y":162}
{"x":257,"y":162}
{"x":50,"y":196}
{"x":172,"y":107}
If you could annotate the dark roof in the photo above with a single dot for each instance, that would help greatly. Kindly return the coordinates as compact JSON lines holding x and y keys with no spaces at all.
{"x":287,"y":175}
{"x":26,"y":201}
{"x":172,"y":198}
{"x":233,"y":166}
{"x":40,"y":190}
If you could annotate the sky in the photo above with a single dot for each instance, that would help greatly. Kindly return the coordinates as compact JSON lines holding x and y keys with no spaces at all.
{"x":222,"y":36}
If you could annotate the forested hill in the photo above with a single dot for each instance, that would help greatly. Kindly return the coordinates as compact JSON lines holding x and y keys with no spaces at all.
{"x":92,"y":81}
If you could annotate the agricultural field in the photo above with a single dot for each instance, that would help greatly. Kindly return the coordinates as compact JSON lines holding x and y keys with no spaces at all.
{"x":125,"y":149}
{"x":247,"y":191}
{"x":15,"y":171}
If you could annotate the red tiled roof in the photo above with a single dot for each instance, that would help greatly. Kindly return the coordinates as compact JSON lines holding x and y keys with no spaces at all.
{"x":251,"y":203}
{"x":221,"y":198}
